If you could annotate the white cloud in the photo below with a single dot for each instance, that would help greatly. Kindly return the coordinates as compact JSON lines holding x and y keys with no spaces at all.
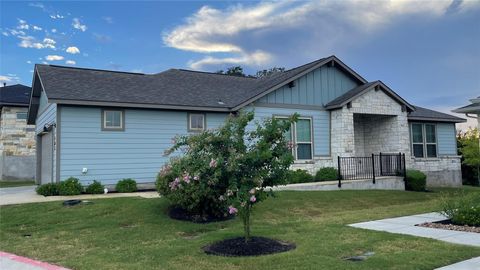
{"x":70,"y":62}
{"x":108,"y":19}
{"x":9,"y":78}
{"x":31,"y":42}
{"x":22,"y":24}
{"x":36,"y":28}
{"x":245,"y":30}
{"x":54,"y":57}
{"x":53,"y":30}
{"x":5,"y":34}
{"x":57,"y":16}
{"x":38,"y":5}
{"x":29,"y":62}
{"x":14,"y":32}
{"x":77,"y":25}
{"x":72,"y":50}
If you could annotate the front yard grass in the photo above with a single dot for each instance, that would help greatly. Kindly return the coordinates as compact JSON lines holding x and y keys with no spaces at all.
{"x":5,"y":184}
{"x":135,"y":233}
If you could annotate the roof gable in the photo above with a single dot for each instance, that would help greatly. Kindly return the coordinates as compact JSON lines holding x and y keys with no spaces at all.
{"x":316,"y":88}
{"x":360,"y":90}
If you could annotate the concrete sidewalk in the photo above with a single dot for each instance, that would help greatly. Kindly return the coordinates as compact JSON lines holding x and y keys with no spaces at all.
{"x":27,"y":194}
{"x":10,"y":261}
{"x":406,"y":225}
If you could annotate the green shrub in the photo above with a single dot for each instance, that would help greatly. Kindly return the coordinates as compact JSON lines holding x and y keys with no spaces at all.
{"x":299,"y":176}
{"x":415,"y":180}
{"x":326,"y":174}
{"x":70,"y":186}
{"x":94,"y":188}
{"x":462,"y":209}
{"x":126,"y":185}
{"x":50,"y":189}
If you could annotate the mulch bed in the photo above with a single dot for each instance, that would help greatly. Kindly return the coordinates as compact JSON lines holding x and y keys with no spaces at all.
{"x":181,"y":214}
{"x":236,"y":247}
{"x":448,"y":225}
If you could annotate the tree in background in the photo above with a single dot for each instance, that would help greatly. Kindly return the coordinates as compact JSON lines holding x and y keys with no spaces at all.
{"x":269,"y":72}
{"x":238,"y":71}
{"x":469,"y":148}
{"x":233,"y":71}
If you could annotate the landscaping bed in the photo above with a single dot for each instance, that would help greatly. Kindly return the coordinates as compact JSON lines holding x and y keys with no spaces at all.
{"x":179,"y":213}
{"x":133,"y":233}
{"x":254,"y":247}
{"x":448,"y":225}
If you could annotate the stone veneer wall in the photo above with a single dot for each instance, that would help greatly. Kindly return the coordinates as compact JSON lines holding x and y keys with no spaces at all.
{"x":16,"y":137}
{"x":444,"y":171}
{"x":17,"y":145}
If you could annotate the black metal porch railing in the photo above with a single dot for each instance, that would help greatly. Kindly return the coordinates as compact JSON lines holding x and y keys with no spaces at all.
{"x":357,"y":168}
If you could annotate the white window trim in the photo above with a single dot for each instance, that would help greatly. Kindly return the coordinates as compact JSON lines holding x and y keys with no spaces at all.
{"x":190,"y":128}
{"x":424,"y":142}
{"x":115,"y":128}
{"x":293,"y":134}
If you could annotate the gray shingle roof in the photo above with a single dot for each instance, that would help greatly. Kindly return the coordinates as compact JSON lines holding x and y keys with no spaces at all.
{"x":424,"y":114}
{"x":472,"y":108}
{"x":174,"y":87}
{"x":15,"y":95}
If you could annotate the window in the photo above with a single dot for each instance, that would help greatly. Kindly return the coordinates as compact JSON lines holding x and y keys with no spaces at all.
{"x":196,"y":122}
{"x":424,"y":140}
{"x":300,"y":135}
{"x":21,"y":115}
{"x":113,"y":120}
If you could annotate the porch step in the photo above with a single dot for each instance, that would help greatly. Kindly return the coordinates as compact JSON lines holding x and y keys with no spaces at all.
{"x":384,"y":183}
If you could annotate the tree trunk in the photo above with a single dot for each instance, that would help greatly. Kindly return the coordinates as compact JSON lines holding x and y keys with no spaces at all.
{"x":246,"y":223}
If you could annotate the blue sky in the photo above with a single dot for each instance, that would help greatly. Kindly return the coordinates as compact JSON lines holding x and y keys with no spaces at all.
{"x":427,"y":51}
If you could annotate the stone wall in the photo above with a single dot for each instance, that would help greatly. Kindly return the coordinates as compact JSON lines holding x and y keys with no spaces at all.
{"x":444,"y":171}
{"x":16,"y":137}
{"x":17,"y":145}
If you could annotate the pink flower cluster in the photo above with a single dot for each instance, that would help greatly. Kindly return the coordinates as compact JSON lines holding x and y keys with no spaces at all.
{"x":213,"y":163}
{"x":232,"y":210}
{"x":185,"y":178}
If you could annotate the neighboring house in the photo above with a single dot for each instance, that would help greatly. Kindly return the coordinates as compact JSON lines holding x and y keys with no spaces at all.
{"x":471,"y":110}
{"x":17,"y":139}
{"x":107,"y":125}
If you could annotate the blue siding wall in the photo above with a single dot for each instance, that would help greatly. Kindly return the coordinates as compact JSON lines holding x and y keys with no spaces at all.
{"x":47,"y":113}
{"x":315,"y":88}
{"x":110,"y":156}
{"x":321,"y":124}
{"x":447,"y":142}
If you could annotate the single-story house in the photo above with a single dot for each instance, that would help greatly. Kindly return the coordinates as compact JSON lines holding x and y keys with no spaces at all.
{"x":107,"y":125}
{"x":17,"y":139}
{"x":471,"y":110}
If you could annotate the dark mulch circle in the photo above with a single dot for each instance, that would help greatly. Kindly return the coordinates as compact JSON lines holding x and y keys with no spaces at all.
{"x":182,"y":214}
{"x":236,"y":247}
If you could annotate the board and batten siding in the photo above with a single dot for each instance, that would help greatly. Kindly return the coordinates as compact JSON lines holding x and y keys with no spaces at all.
{"x":447,"y":142}
{"x":320,"y":123}
{"x":137,"y":152}
{"x":315,"y":88}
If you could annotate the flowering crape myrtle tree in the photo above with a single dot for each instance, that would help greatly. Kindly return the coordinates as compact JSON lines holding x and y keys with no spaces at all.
{"x":226,"y":170}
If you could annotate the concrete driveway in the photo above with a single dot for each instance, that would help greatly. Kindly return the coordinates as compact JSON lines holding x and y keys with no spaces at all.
{"x":27,"y":194}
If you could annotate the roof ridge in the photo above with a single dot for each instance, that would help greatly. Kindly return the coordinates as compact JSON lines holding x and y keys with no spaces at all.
{"x":92,"y":69}
{"x":212,"y":73}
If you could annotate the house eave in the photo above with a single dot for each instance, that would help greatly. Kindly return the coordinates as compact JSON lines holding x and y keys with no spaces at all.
{"x":431,"y":119}
{"x":137,"y":105}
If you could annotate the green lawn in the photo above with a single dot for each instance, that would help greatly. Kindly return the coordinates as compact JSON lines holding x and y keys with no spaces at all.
{"x":4,"y":184}
{"x":135,"y":233}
